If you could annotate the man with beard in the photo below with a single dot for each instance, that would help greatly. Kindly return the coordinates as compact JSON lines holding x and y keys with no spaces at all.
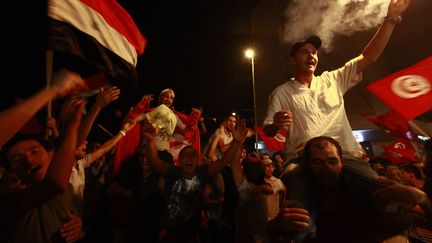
{"x":343,"y":214}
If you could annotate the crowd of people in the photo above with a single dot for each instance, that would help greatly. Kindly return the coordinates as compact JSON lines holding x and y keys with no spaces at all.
{"x":56,"y":185}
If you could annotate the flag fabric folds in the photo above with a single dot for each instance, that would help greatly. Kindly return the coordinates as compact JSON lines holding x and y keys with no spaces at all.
{"x":127,"y":147}
{"x":275,"y":143}
{"x":409,"y":91}
{"x":189,"y":137}
{"x":100,"y":32}
{"x":400,"y":151}
{"x":393,"y":123}
{"x":180,"y":139}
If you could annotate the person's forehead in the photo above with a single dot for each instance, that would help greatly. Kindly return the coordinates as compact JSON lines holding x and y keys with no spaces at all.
{"x":307,"y":47}
{"x":325,"y":147}
{"x":167,"y":94}
{"x":22,"y":146}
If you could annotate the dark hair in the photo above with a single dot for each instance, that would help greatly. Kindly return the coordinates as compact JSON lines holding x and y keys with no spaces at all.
{"x":166,"y":157}
{"x":413,"y":169}
{"x":253,"y":171}
{"x":24,"y":137}
{"x":314,"y":40}
{"x":281,"y":153}
{"x":317,"y":142}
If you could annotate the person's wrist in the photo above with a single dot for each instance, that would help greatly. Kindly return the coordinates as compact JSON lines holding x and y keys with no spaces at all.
{"x":123,"y":133}
{"x":393,"y":19}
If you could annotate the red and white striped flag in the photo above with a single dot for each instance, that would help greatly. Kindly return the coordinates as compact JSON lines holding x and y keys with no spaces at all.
{"x":100,"y":32}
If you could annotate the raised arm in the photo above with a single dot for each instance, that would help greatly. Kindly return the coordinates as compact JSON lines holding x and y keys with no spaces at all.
{"x":15,"y":117}
{"x":110,"y":143}
{"x":232,"y":155}
{"x":376,"y":45}
{"x":64,"y":158}
{"x":212,"y":146}
{"x":104,"y":97}
{"x":151,"y":153}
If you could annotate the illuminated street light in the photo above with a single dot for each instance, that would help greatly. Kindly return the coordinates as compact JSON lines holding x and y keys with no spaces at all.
{"x":249,"y":53}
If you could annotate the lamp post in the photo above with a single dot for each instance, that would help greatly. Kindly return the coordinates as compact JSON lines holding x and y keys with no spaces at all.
{"x":249,"y":53}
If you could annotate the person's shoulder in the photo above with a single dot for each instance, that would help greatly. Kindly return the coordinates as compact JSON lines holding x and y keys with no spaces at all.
{"x":283,"y":86}
{"x":288,"y":82}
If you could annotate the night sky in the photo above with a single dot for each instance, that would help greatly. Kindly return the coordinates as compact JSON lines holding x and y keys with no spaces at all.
{"x":196,"y":48}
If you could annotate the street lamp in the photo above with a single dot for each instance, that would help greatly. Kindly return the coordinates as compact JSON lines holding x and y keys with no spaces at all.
{"x":249,"y":53}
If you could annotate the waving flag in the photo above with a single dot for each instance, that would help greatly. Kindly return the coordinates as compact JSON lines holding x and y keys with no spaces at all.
{"x":189,"y":137}
{"x":393,"y":123}
{"x":408,"y":92}
{"x":275,"y":143}
{"x":99,"y":32}
{"x":179,"y":139}
{"x":401,"y":151}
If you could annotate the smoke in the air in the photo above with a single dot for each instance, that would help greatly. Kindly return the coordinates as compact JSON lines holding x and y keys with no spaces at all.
{"x":330,"y":18}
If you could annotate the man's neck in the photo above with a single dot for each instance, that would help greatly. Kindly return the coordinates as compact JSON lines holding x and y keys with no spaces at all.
{"x":304,"y":79}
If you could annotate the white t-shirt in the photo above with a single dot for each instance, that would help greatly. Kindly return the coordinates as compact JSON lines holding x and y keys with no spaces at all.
{"x":273,"y":199}
{"x":165,"y":121}
{"x":77,"y":179}
{"x":318,"y":110}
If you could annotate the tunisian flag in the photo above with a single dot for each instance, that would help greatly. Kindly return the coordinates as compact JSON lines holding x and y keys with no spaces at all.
{"x":97,"y":33}
{"x":393,"y":123}
{"x":189,"y":137}
{"x":275,"y":143}
{"x":408,"y":92}
{"x":401,"y":151}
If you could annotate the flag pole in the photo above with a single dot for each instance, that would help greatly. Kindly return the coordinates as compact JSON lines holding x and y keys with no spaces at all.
{"x":49,"y":64}
{"x":416,"y":127}
{"x":105,"y":130}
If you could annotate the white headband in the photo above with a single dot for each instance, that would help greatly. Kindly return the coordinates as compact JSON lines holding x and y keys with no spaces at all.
{"x":166,"y":90}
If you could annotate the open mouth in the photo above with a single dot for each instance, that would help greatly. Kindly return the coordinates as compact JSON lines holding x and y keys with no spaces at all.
{"x":35,"y":169}
{"x":310,"y":63}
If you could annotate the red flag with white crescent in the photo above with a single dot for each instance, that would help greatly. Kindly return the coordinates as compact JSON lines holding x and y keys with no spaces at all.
{"x":401,"y":151}
{"x":409,"y":91}
{"x":275,"y":143}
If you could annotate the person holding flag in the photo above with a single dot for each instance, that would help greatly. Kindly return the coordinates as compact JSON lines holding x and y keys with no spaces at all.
{"x":308,"y":106}
{"x":167,"y":121}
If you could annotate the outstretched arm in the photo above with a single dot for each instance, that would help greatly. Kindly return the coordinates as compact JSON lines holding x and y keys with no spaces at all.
{"x":375,"y":47}
{"x":151,"y":153}
{"x":64,"y":157}
{"x":110,"y":143}
{"x":102,"y":100}
{"x":403,"y":196}
{"x":15,"y":117}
